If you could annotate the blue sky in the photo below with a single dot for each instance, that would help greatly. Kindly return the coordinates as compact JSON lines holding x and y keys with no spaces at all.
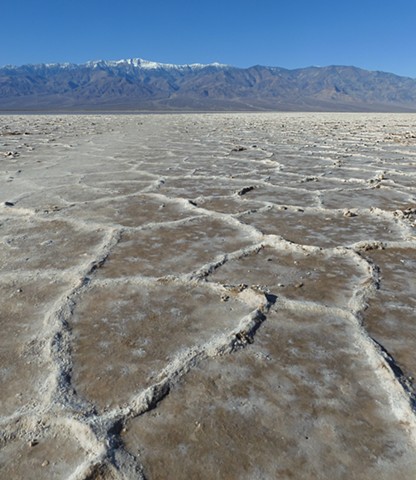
{"x":372,"y":34}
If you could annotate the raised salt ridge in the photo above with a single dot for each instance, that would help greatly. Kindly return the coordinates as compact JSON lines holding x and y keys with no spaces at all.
{"x":207,"y":296}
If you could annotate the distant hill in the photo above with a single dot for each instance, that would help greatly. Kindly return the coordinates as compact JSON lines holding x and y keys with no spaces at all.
{"x":136,"y":84}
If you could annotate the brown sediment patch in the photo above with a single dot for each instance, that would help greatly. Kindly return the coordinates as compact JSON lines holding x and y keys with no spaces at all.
{"x":46,"y":453}
{"x":390,"y":318}
{"x":229,"y":205}
{"x":125,"y":335}
{"x":121,"y":188}
{"x":385,"y":198}
{"x":131,"y":211}
{"x":282,"y":196}
{"x":297,"y":275}
{"x":323,"y":228}
{"x":289,"y":406}
{"x":29,"y":244}
{"x":199,"y":186}
{"x":174,"y":249}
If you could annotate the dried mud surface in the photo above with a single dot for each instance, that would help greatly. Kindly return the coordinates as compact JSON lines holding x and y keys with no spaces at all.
{"x":208,"y":296}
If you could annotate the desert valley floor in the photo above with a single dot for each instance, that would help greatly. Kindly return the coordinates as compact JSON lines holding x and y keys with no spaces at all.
{"x":208,"y":296}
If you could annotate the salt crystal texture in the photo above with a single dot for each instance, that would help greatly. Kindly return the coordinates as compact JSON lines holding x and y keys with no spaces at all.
{"x":208,"y":296}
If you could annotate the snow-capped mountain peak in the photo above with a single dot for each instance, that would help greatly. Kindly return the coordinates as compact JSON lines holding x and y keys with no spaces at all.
{"x":136,"y":63}
{"x":150,"y":65}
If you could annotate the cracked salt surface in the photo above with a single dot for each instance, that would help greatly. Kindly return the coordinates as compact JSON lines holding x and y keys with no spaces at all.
{"x":208,"y":296}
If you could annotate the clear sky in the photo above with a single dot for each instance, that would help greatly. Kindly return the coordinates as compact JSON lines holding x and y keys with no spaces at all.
{"x":371,"y":34}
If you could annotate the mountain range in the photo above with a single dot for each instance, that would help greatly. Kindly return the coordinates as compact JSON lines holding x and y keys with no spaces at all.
{"x":140,"y":85}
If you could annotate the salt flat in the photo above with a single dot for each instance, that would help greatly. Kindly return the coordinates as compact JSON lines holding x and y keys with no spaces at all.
{"x":208,"y":296}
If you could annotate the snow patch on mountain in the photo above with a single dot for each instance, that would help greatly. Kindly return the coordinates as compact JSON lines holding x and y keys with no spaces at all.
{"x":150,"y":65}
{"x":138,"y":63}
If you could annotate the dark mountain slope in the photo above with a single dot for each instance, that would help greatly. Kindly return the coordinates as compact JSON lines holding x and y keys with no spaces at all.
{"x":140,"y":85}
